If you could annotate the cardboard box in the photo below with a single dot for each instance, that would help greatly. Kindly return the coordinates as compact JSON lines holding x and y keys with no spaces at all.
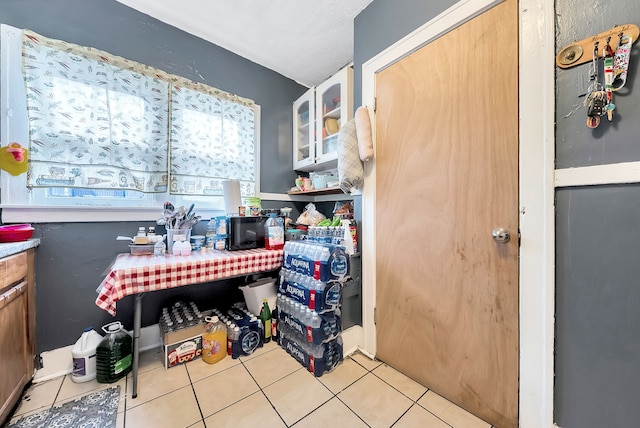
{"x":182,"y":352}
{"x":183,"y":333}
{"x":182,"y":346}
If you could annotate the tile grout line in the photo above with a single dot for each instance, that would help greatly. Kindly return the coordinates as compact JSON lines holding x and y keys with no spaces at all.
{"x":405,"y":395}
{"x":335,"y":395}
{"x":414,"y":402}
{"x":262,"y":390}
{"x":269,"y":401}
{"x":196,"y":396}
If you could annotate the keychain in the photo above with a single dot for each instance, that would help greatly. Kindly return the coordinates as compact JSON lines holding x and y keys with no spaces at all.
{"x":596,"y":99}
{"x":621,"y":61}
{"x":607,"y":54}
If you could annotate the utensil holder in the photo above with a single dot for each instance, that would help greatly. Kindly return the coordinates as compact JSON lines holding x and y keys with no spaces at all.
{"x":177,"y":235}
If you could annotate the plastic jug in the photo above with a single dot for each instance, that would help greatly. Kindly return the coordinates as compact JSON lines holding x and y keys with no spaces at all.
{"x":214,"y":341}
{"x":113,"y":354}
{"x":273,"y":233}
{"x":84,"y":356}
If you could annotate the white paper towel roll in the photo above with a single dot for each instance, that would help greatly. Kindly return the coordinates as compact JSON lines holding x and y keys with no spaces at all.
{"x":231,"y":192}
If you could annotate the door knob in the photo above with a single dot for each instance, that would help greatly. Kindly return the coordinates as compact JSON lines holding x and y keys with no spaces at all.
{"x":501,"y":235}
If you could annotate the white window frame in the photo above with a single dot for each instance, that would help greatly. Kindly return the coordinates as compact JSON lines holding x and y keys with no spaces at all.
{"x":15,"y":201}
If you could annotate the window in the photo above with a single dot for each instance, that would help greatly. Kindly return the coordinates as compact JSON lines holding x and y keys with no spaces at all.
{"x":211,"y":141}
{"x":103,"y":131}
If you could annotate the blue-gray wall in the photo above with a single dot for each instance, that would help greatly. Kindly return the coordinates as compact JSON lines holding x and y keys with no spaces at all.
{"x":73,"y":256}
{"x":597,"y":352}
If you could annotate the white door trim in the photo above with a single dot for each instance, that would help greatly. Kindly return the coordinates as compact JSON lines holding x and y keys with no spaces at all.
{"x":536,"y":193}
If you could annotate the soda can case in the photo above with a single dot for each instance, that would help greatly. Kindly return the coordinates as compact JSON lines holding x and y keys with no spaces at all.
{"x":317,"y":359}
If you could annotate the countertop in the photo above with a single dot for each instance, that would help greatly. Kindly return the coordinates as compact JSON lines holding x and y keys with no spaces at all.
{"x":11,"y":248}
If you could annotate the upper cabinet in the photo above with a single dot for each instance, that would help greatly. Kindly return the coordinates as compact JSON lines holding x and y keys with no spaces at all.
{"x":304,"y":113}
{"x":317,"y":118}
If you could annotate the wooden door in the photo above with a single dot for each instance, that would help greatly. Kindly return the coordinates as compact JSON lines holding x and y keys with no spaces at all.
{"x":446,"y":177}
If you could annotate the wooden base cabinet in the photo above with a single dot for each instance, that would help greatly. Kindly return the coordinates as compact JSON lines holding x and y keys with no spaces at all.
{"x":17,"y":328}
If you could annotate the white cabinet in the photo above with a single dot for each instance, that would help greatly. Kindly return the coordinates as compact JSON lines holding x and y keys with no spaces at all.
{"x":304,"y":130}
{"x":317,"y":117}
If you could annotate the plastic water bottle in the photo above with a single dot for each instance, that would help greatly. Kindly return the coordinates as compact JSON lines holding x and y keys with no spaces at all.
{"x":273,"y":234}
{"x":274,"y":325}
{"x":210,"y":234}
{"x":234,"y":347}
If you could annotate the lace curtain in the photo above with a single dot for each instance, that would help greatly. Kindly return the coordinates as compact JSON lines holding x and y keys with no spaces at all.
{"x":212,"y":140}
{"x":95,"y":120}
{"x":98,"y":121}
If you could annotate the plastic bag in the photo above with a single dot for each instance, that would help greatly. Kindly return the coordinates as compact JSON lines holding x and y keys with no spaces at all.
{"x":343,"y":209}
{"x":310,"y":216}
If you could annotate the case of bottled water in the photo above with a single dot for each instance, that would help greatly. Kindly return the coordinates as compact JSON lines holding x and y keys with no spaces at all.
{"x":309,"y":324}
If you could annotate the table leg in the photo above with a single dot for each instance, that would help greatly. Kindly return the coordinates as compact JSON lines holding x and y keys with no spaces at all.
{"x":137,"y":315}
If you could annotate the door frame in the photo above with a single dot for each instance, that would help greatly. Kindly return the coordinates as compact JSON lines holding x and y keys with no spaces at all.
{"x":536,"y":194}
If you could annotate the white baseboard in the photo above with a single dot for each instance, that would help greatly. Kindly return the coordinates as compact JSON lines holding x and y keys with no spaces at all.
{"x":351,"y":340}
{"x":59,"y":362}
{"x":55,"y":363}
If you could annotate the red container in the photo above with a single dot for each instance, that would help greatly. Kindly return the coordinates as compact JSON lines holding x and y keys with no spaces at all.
{"x":15,"y":232}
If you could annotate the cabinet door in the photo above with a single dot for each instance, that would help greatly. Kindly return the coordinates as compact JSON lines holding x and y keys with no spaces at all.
{"x":14,"y":352}
{"x":304,"y":131}
{"x":334,"y":107}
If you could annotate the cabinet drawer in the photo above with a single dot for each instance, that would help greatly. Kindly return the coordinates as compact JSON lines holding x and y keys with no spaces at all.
{"x":12,"y":269}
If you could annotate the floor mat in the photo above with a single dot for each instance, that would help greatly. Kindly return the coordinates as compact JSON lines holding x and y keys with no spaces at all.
{"x":95,"y":410}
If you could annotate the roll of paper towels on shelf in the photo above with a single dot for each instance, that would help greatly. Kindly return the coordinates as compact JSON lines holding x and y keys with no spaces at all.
{"x":231,"y":192}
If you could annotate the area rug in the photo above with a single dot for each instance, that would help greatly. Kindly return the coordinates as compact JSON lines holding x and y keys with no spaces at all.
{"x":96,"y":410}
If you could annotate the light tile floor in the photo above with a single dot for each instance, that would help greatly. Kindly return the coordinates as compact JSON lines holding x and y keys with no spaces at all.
{"x":269,"y":389}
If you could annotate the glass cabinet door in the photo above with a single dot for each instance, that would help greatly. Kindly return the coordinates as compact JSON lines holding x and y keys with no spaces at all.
{"x":304,"y":131}
{"x":333,"y":110}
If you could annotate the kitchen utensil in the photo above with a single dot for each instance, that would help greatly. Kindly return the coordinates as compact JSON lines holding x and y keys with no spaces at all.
{"x":190,"y":209}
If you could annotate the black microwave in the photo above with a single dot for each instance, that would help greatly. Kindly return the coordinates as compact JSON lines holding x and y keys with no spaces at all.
{"x":245,"y":232}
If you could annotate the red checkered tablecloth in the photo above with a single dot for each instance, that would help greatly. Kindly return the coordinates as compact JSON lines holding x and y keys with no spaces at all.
{"x":139,"y":274}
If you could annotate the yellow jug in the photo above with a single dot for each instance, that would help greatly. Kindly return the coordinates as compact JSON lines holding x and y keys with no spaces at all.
{"x":214,"y":341}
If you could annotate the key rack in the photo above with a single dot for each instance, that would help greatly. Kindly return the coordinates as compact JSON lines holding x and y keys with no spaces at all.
{"x":581,"y":52}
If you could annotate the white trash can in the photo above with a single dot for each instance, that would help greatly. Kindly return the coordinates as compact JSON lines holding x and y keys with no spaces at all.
{"x":255,"y":293}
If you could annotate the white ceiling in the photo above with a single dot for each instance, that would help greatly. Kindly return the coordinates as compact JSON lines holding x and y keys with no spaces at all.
{"x":304,"y":40}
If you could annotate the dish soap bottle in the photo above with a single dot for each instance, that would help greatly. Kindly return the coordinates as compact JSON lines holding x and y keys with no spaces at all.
{"x":273,"y":233}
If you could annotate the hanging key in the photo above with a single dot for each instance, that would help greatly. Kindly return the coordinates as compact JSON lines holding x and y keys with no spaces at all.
{"x":597,"y":104}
